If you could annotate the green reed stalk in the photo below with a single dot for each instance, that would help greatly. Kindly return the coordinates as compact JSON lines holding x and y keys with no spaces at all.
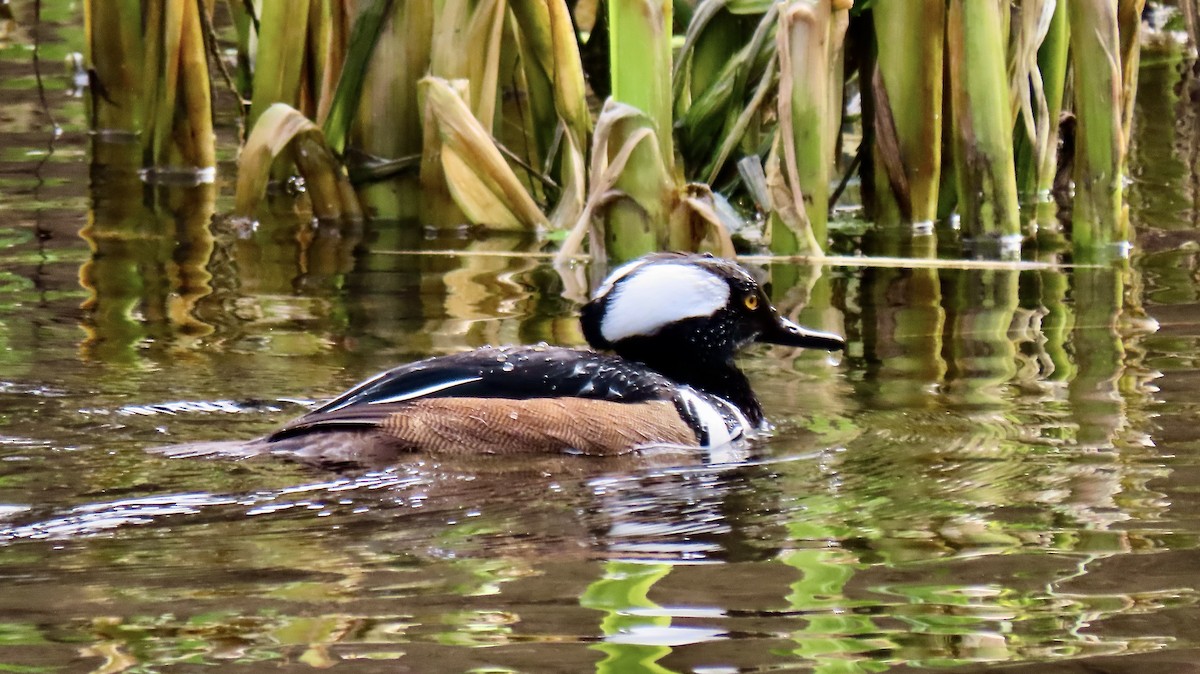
{"x":177,"y":119}
{"x":473,"y":73}
{"x":282,"y":42}
{"x":193,"y":127}
{"x":164,"y":22}
{"x":1129,"y":24}
{"x":535,"y":98}
{"x":982,"y":121}
{"x":1037,"y":147}
{"x":1100,"y":145}
{"x":480,"y":25}
{"x":376,"y":107}
{"x":243,"y":26}
{"x":116,"y":53}
{"x":806,"y":32}
{"x":329,"y":40}
{"x":557,"y":100}
{"x":640,"y":65}
{"x":361,"y":87}
{"x":908,"y":168}
{"x":722,"y":80}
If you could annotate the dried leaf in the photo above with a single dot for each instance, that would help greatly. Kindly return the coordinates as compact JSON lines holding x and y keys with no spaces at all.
{"x":276,"y":131}
{"x":480,"y":180}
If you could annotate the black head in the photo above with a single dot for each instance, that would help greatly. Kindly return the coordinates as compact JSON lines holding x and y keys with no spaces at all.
{"x":700,"y":306}
{"x":686,"y":316}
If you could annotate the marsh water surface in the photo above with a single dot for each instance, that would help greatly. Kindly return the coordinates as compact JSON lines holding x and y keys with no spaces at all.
{"x":1002,"y":469}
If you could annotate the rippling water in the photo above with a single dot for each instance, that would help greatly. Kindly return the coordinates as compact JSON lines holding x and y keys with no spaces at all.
{"x":1000,"y":469}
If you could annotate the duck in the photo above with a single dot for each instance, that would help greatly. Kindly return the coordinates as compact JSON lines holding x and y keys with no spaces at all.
{"x":663,"y":329}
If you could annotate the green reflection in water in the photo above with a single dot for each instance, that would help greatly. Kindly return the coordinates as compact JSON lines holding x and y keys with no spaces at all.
{"x":835,"y":640}
{"x":622,"y":590}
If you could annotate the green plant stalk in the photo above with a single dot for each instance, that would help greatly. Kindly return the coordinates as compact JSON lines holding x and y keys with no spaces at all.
{"x":835,"y":49}
{"x":701,"y":119}
{"x":532,"y":104}
{"x":570,"y":87}
{"x":982,"y":121}
{"x":480,"y":25}
{"x":550,"y":104}
{"x":325,"y":182}
{"x":570,"y":102}
{"x":164,"y":26}
{"x":1129,"y":24}
{"x":115,"y":51}
{"x":281,"y":49}
{"x":329,"y":42}
{"x":243,"y":28}
{"x":721,"y":86}
{"x":722,"y":38}
{"x":485,"y":72}
{"x":640,"y":65}
{"x":910,"y":65}
{"x":376,"y":36}
{"x":807,"y":90}
{"x":472,"y":168}
{"x":375,"y":107}
{"x":747,"y":115}
{"x":1099,"y":145}
{"x":803,"y":40}
{"x":636,"y":224}
{"x":1036,"y":165}
{"x":282,"y":129}
{"x":193,"y":126}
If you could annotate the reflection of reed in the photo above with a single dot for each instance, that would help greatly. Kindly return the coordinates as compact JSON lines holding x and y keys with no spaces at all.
{"x":1096,"y":401}
{"x":440,"y":303}
{"x":902,"y":326}
{"x":980,"y":357}
{"x":146,"y":273}
{"x":810,"y":381}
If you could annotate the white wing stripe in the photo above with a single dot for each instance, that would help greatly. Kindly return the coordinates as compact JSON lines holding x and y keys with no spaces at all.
{"x":421,"y":392}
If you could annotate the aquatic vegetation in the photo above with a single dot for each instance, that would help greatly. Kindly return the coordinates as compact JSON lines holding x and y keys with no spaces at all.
{"x":755,"y":107}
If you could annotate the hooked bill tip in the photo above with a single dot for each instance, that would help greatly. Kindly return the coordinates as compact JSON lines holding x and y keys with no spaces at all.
{"x":787,"y":333}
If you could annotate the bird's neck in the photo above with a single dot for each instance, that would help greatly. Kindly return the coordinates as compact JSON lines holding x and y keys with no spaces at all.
{"x":716,"y":376}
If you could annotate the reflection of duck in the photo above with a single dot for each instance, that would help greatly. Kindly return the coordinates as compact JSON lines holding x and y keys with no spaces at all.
{"x":673,"y":320}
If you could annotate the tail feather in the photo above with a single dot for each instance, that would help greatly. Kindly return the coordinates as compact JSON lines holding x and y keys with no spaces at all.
{"x":329,"y":449}
{"x":229,"y":450}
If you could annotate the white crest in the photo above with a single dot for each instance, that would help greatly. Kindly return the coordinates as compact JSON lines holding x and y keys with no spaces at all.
{"x":646,"y":298}
{"x":618,"y":274}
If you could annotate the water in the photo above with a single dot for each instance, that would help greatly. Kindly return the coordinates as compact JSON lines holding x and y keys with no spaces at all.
{"x":1000,"y":470}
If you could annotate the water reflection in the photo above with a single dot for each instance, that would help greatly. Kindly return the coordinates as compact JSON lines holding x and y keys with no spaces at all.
{"x":1001,"y":469}
{"x":944,"y":496}
{"x":150,"y":247}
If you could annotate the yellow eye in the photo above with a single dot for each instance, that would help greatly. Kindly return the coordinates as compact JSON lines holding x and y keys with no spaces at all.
{"x":751,"y":302}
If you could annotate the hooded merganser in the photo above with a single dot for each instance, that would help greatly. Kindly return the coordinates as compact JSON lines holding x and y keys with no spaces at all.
{"x":674,"y":322}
